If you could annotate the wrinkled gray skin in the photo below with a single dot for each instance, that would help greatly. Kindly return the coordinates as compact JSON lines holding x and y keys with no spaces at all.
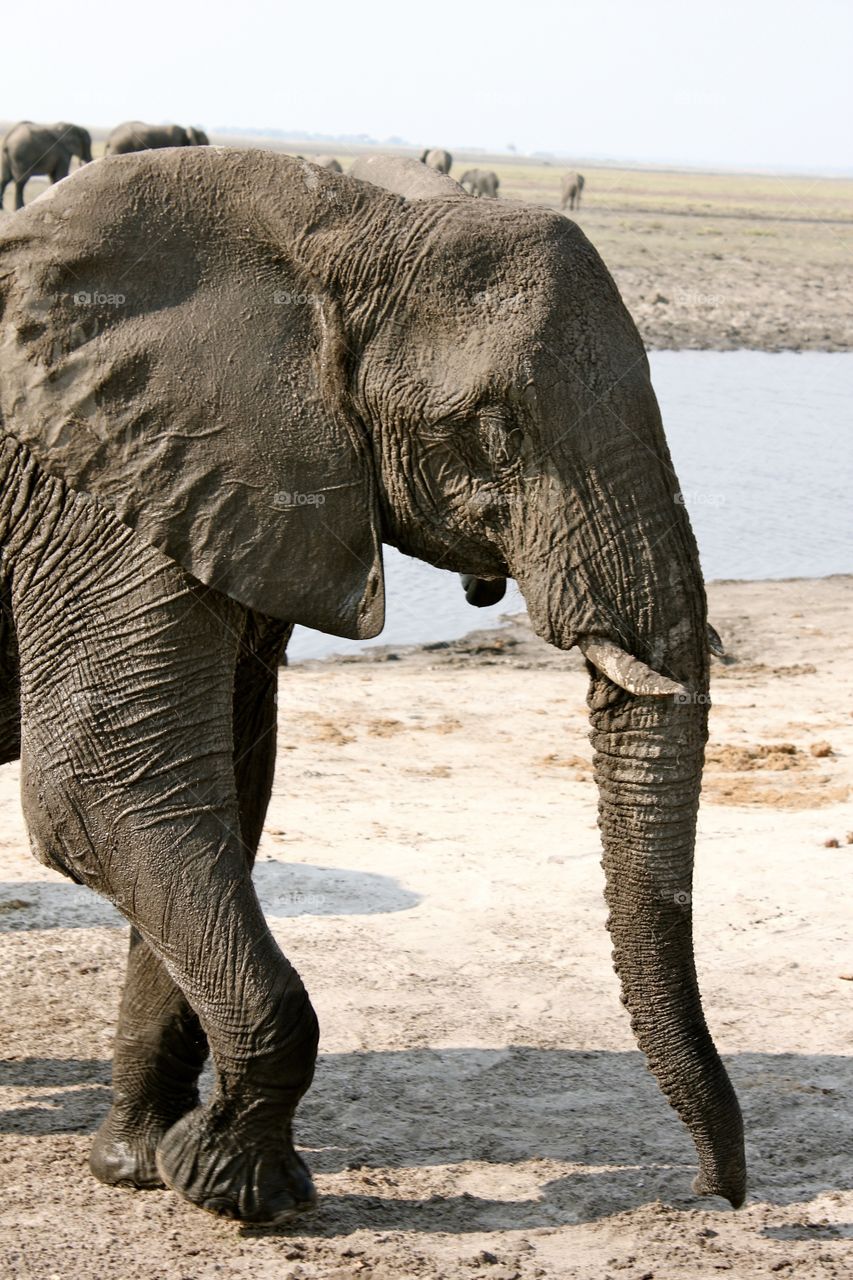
{"x":436,"y":158}
{"x":170,"y":503}
{"x":28,"y":150}
{"x":481,"y":182}
{"x":572,"y":187}
{"x":134,"y":135}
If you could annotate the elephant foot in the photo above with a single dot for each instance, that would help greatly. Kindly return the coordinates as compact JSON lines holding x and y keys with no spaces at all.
{"x":125,"y":1147}
{"x":251,"y":1173}
{"x":121,"y":1158}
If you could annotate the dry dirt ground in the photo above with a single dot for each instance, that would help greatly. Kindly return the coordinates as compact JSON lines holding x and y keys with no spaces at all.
{"x":431,"y":864}
{"x":719,"y":261}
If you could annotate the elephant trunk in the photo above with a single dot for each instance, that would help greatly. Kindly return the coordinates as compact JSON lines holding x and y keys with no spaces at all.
{"x":648,"y":765}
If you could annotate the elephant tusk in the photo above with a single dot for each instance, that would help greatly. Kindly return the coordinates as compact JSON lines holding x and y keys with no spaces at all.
{"x":715,"y":644}
{"x":626,"y":671}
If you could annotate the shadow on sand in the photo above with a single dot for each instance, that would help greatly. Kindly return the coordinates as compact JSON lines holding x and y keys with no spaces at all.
{"x":285,"y":890}
{"x":374,"y":1113}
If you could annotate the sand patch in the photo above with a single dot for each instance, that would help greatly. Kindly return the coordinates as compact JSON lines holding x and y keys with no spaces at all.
{"x":726,"y":765}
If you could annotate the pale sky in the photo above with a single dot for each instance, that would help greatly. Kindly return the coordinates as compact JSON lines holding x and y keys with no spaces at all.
{"x":728,"y":82}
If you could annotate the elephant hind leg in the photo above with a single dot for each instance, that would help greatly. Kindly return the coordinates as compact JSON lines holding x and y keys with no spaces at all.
{"x":158,"y":1053}
{"x":160,"y":1047}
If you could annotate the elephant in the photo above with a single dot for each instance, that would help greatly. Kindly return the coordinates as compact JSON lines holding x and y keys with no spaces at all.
{"x":133,"y":135}
{"x":404,"y":177}
{"x":572,"y":186}
{"x":28,"y":149}
{"x":436,"y":158}
{"x":324,"y":162}
{"x":173,"y":500}
{"x":481,"y":182}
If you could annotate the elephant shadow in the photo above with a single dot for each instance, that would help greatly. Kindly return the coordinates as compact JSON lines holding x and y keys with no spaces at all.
{"x":811,"y":1231}
{"x":285,"y":890}
{"x":465,"y":1111}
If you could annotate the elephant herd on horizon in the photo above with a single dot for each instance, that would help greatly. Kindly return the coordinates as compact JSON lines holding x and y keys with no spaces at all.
{"x":29,"y":150}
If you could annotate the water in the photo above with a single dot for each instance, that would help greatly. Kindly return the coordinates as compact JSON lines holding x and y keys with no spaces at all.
{"x":762,"y":447}
{"x":764,"y":452}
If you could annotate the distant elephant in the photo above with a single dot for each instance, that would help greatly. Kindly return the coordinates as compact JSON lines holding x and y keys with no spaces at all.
{"x":436,"y":158}
{"x":406,"y":177}
{"x":481,"y":182}
{"x":133,"y":135}
{"x":30,"y":149}
{"x":324,"y":162}
{"x":572,"y":186}
{"x":172,"y":501}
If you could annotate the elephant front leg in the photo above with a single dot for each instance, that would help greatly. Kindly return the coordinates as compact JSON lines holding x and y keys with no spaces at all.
{"x":160,"y":1047}
{"x":131,"y":790}
{"x":235,"y":1156}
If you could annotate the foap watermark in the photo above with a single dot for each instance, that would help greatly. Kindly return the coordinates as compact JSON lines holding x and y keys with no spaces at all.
{"x":696,"y":298}
{"x":290,"y":298}
{"x":492,"y":298}
{"x":700,"y":498}
{"x":97,"y":298}
{"x":689,"y":698}
{"x":486,"y":499}
{"x":286,"y":499}
{"x":681,"y":897}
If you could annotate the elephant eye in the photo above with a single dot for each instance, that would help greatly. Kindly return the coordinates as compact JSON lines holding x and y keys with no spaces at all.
{"x":502,"y":437}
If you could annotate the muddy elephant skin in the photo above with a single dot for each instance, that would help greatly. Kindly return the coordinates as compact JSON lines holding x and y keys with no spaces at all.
{"x":206,"y":444}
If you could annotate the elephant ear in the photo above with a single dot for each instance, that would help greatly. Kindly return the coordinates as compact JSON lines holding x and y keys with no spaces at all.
{"x":165,"y":353}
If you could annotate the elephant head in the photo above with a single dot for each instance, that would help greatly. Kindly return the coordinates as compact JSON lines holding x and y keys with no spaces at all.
{"x":311,"y":366}
{"x":76,"y":140}
{"x":515,"y":430}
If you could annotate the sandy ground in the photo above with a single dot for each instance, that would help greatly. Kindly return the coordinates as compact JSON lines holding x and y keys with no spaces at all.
{"x":432,"y":865}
